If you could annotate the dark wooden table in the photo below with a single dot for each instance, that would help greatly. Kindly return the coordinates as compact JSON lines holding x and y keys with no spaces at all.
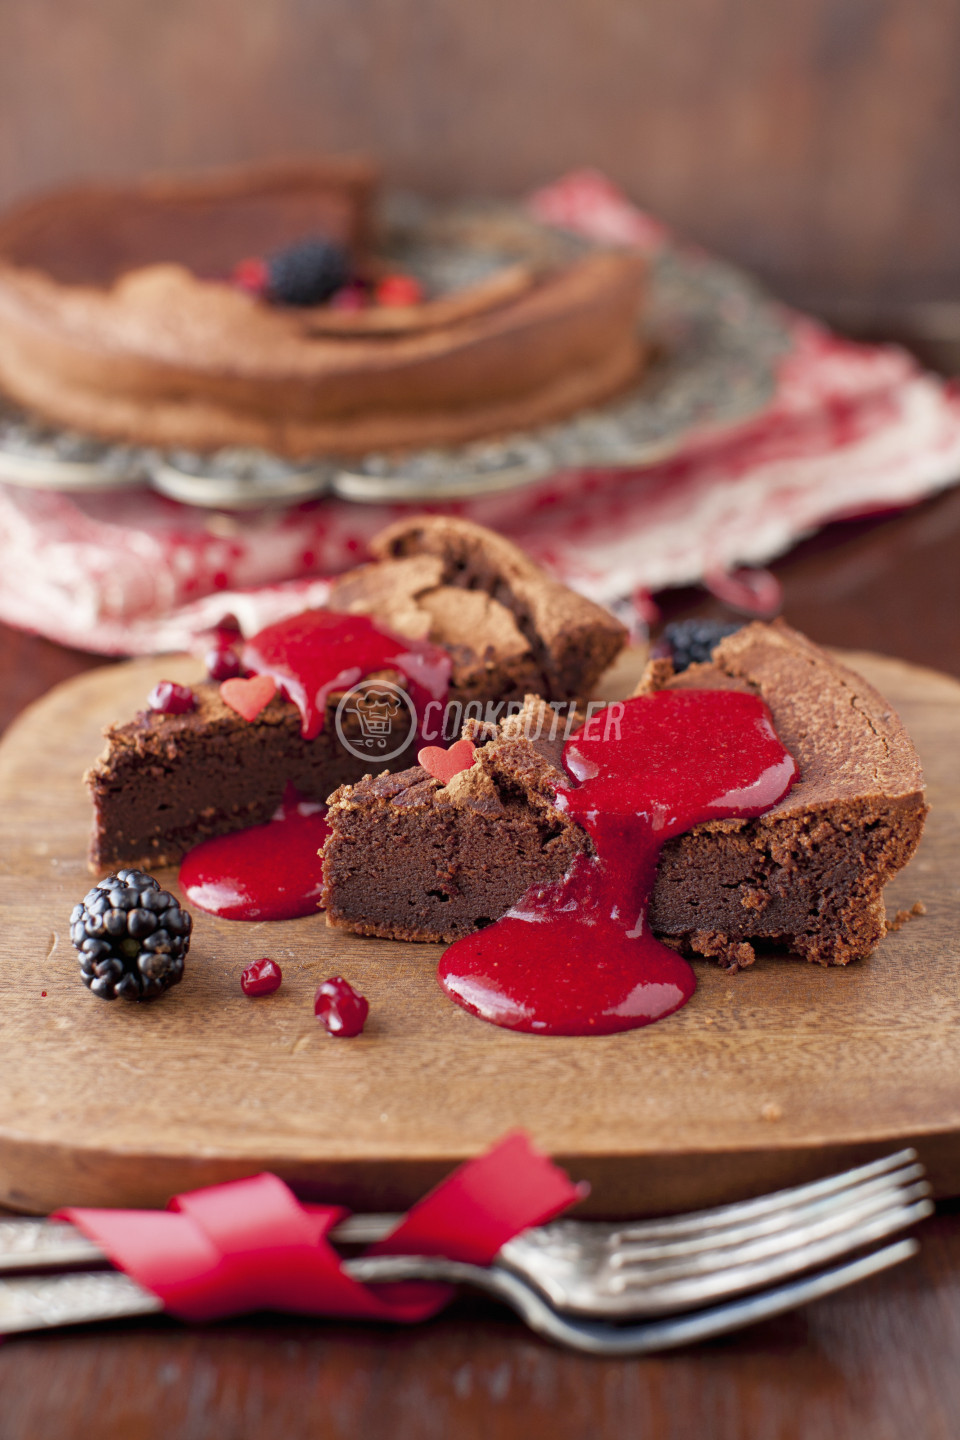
{"x":878,"y":1361}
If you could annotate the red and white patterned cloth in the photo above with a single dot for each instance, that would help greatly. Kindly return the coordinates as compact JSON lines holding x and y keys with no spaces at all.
{"x":851,"y":429}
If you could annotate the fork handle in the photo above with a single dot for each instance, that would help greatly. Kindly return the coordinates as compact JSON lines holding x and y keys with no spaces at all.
{"x":39,"y":1302}
{"x":39,"y":1245}
{"x":600,"y":1339}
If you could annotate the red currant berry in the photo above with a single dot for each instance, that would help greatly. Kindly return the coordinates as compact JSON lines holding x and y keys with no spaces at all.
{"x":399,"y":290}
{"x":339,"y":1008}
{"x":227,"y":630}
{"x":251,"y":275}
{"x":223,"y":663}
{"x":261,"y":977}
{"x":350,"y":297}
{"x":168,"y":698}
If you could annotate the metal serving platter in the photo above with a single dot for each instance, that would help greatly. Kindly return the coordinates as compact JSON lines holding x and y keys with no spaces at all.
{"x":716,"y":339}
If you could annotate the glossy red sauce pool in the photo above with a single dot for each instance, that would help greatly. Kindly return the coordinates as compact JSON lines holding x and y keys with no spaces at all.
{"x":267,"y":872}
{"x":576,"y":957}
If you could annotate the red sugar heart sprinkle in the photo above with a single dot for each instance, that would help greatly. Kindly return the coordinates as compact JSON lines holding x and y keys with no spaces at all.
{"x":248,"y":697}
{"x":444,"y":764}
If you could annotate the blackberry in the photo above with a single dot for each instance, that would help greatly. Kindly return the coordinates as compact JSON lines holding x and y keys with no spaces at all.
{"x":307,"y":273}
{"x":691,"y":642}
{"x":132,"y":937}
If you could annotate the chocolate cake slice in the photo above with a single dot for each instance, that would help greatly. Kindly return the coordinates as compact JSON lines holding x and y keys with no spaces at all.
{"x":570,"y":642}
{"x":413,"y":859}
{"x":165,"y":782}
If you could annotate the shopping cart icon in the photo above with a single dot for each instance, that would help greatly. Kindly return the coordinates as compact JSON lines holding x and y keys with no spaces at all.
{"x":383,"y":711}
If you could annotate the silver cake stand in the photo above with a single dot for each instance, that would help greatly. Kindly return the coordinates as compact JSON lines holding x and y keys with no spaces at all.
{"x":716,"y":340}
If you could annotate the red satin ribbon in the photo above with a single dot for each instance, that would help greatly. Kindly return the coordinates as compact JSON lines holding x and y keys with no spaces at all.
{"x":252,"y":1245}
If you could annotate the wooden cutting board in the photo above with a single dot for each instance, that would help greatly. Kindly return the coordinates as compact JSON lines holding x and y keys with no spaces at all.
{"x":766,"y":1078}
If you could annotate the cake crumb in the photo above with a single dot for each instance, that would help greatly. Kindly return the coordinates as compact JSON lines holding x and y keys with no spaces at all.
{"x":902,"y":916}
{"x":771,"y":1111}
{"x":733,"y":955}
{"x":658,"y":670}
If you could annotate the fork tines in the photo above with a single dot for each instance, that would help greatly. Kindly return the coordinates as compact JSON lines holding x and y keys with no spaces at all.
{"x":666,"y":1266}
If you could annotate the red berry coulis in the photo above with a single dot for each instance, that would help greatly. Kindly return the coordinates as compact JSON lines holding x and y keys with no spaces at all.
{"x":319,"y":651}
{"x":267,"y":872}
{"x":576,"y":957}
{"x":339,"y":1008}
{"x":168,"y":698}
{"x":261,"y":977}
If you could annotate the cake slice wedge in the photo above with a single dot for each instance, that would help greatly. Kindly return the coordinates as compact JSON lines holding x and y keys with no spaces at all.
{"x":805,"y":878}
{"x":809,"y":875}
{"x":410,"y":858}
{"x":166,"y":782}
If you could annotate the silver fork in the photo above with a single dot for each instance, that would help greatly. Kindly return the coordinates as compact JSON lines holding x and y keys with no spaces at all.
{"x":581,"y":1268}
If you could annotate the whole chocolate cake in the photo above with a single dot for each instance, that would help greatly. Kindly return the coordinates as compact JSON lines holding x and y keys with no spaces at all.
{"x":415,"y":859}
{"x":117,"y":317}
